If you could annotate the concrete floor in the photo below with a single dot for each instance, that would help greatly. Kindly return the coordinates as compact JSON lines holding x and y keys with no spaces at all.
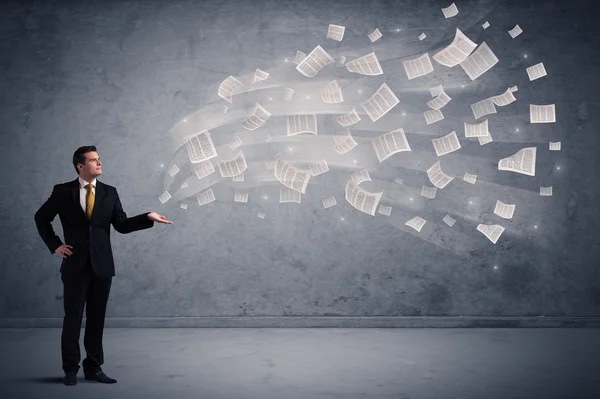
{"x":284,"y":363}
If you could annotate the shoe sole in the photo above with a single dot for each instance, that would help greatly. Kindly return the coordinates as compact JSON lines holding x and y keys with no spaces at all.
{"x":102,"y":382}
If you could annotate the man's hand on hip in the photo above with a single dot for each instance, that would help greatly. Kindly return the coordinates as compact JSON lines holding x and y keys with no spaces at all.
{"x":64,"y":250}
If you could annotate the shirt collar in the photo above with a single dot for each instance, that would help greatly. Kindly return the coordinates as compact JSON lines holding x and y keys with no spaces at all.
{"x":83,"y":183}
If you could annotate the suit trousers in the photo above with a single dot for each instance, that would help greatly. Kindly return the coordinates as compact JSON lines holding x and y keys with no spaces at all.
{"x":79,"y":290}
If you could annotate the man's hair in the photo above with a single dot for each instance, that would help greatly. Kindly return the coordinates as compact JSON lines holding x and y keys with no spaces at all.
{"x":79,"y":155}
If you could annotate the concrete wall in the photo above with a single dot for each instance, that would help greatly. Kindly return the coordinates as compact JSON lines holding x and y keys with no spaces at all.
{"x":135,"y":78}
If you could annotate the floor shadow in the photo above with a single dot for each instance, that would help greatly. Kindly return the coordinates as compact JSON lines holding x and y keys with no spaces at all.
{"x":40,"y":380}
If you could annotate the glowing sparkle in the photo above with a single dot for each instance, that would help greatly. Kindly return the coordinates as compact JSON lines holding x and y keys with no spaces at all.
{"x":286,"y":60}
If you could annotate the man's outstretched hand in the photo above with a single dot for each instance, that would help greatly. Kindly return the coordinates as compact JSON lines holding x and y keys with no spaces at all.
{"x":158,"y":218}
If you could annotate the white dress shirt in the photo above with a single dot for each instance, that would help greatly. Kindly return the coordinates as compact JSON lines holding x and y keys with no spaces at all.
{"x":83,"y":191}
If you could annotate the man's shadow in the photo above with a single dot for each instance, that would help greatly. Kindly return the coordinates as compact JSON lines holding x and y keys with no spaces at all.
{"x":41,"y":380}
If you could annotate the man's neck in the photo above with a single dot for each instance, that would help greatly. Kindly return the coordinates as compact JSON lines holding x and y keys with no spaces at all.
{"x":87,"y":179}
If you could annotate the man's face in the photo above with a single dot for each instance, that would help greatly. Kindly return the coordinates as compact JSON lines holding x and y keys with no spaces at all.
{"x":92,"y":167}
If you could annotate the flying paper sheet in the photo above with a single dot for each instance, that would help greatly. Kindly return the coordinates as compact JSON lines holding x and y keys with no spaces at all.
{"x":204,"y":169}
{"x":433,"y":116}
{"x":331,"y":93}
{"x":390,"y":143}
{"x":542,"y":113}
{"x":449,"y":220}
{"x":329,"y":202}
{"x":314,"y":62}
{"x":164,"y":197}
{"x":344,"y":142}
{"x":228,"y":88}
{"x":335,"y":32}
{"x":491,"y":231}
{"x":291,"y":176}
{"x":417,"y":67}
{"x":300,"y":56}
{"x":297,"y":124}
{"x":288,"y":195}
{"x":416,"y":223}
{"x":446,"y":144}
{"x":385,"y":210}
{"x":516,"y":31}
{"x":375,"y":35}
{"x":318,"y":168}
{"x":256,"y":117}
{"x":521,"y":162}
{"x":240,"y":197}
{"x":437,"y":177}
{"x":450,"y":11}
{"x":349,"y":119}
{"x":469,"y":178}
{"x":365,"y":65}
{"x":361,"y":199}
{"x":200,"y":147}
{"x":380,"y":103}
{"x":233,"y":167}
{"x":259,"y":75}
{"x":536,"y":71}
{"x":173,"y":170}
{"x":505,"y":211}
{"x":479,"y":62}
{"x":205,"y":197}
{"x":457,"y":52}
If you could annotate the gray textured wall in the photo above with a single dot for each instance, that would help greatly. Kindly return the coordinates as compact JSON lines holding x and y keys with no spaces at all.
{"x":124,"y":75}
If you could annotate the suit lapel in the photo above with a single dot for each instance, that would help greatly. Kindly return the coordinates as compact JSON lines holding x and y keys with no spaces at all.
{"x":100,"y":195}
{"x":75,"y":197}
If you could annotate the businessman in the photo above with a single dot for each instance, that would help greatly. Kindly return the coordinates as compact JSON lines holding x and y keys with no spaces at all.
{"x":87,"y":208}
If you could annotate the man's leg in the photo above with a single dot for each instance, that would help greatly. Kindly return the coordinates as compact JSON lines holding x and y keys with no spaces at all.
{"x":74,"y":294}
{"x":96,"y":301}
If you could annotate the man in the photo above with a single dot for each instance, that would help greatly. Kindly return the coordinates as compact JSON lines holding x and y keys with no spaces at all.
{"x":86,"y":208}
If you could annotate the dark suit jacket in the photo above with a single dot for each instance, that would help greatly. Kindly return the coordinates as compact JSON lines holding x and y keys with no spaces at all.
{"x":85,"y":236}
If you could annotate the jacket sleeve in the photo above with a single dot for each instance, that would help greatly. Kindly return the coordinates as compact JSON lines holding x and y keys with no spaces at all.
{"x":125,"y":225}
{"x":43,"y":220}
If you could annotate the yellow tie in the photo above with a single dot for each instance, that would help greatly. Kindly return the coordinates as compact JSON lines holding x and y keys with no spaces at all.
{"x":89,"y":201}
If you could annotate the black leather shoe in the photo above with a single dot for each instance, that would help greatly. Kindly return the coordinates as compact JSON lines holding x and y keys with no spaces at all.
{"x":70,"y":378}
{"x":99,"y":376}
